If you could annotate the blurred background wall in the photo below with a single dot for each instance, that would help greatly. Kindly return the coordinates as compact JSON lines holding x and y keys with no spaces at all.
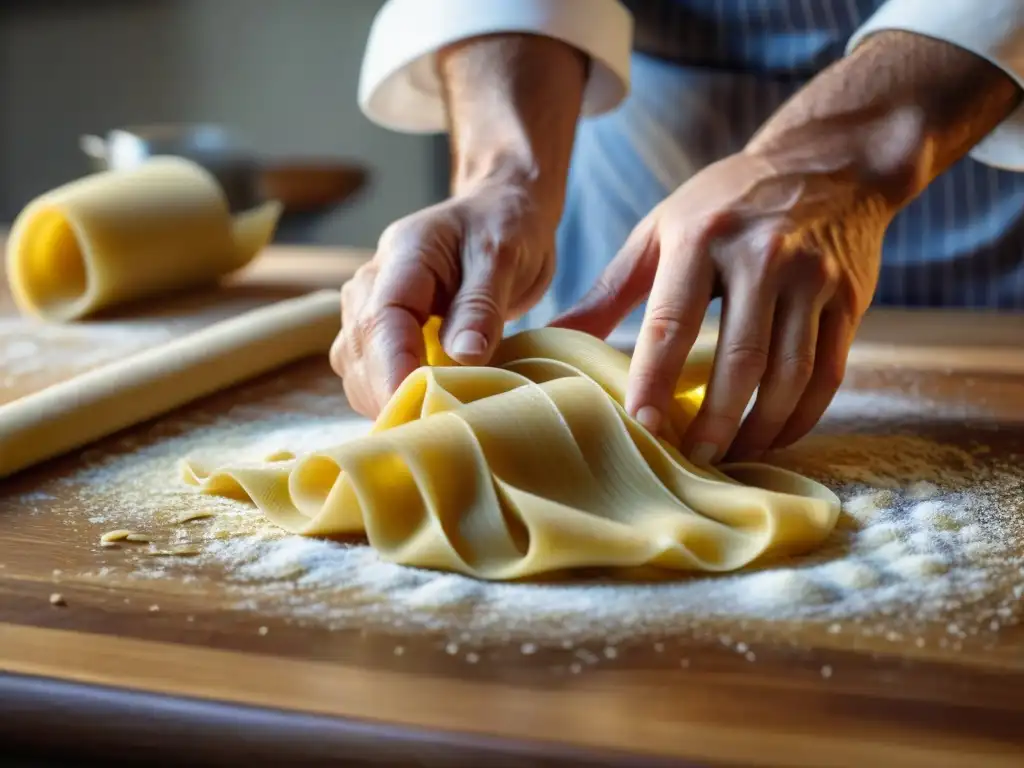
{"x":281,"y":73}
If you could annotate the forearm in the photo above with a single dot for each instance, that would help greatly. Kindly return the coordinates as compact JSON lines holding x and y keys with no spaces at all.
{"x":946,"y":99}
{"x":513,"y":102}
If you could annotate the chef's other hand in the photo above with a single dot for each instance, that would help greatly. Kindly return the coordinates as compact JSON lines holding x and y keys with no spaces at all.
{"x":790,"y":231}
{"x":792,"y":241}
{"x":486,"y":255}
{"x":479,"y":259}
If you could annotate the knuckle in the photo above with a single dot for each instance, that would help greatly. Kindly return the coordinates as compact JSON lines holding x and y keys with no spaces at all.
{"x":687,"y":231}
{"x":393,"y":234}
{"x":797,"y":367}
{"x":366,"y":272}
{"x":604,"y":287}
{"x":830,"y":273}
{"x":353,"y":349}
{"x":476,"y":301}
{"x":494,"y":251}
{"x":817,"y":271}
{"x":365,"y":327}
{"x":490,"y":244}
{"x":746,"y":357}
{"x":403,"y":233}
{"x":360,"y":282}
{"x":337,"y":356}
{"x":769,"y":256}
{"x":665,"y":323}
{"x":348,"y":292}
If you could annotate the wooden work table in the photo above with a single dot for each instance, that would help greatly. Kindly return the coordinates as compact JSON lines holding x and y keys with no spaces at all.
{"x":196,"y":683}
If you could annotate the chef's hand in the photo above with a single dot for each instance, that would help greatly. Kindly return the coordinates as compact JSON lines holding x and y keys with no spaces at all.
{"x":477,"y":260}
{"x":795,"y":255}
{"x":790,"y":230}
{"x":486,"y":255}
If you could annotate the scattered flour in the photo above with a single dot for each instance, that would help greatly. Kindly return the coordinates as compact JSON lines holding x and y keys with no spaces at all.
{"x":932,"y":535}
{"x":33,"y":354}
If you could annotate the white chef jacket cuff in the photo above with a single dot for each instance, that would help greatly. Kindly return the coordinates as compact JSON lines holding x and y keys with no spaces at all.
{"x":991,"y":29}
{"x":399,"y":87}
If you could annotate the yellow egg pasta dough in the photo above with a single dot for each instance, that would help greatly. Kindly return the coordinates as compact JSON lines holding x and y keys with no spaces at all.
{"x":119,"y":236}
{"x":531,"y":466}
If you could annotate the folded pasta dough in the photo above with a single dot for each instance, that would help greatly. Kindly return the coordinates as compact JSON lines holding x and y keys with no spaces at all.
{"x":117,"y":236}
{"x":530,"y":466}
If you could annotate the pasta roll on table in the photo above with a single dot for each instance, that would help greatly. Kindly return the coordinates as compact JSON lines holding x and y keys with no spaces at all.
{"x":532,"y":466}
{"x":119,"y":236}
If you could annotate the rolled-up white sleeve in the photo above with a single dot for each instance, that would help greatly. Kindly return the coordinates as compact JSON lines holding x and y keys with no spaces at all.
{"x":399,"y":87}
{"x":991,"y":29}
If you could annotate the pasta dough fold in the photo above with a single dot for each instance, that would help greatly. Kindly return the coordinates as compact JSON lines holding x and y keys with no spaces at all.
{"x":531,"y":466}
{"x":119,"y":236}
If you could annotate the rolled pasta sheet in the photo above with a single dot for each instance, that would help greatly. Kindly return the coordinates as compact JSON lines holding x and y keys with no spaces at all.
{"x":120,"y":236}
{"x":532,"y":466}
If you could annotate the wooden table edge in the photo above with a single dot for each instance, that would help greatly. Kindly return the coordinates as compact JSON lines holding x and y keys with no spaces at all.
{"x":354,"y":706}
{"x":191,"y":730}
{"x":125,"y":674}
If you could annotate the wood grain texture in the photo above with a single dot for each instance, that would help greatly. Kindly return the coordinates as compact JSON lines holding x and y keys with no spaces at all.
{"x":208,"y":687}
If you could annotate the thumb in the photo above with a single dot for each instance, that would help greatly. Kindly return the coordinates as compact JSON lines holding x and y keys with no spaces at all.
{"x":475,"y":322}
{"x":621,"y":288}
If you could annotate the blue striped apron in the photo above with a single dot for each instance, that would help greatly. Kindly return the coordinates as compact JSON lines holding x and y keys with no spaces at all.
{"x":706,"y":75}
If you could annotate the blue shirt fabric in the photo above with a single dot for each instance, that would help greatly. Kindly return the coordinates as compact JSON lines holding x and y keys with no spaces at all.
{"x":706,"y":75}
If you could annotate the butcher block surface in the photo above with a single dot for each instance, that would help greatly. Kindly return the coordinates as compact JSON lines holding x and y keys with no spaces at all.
{"x":224,"y":655}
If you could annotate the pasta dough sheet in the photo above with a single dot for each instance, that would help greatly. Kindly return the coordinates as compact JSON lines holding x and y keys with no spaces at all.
{"x":119,"y":236}
{"x":145,"y":385}
{"x":531,"y":466}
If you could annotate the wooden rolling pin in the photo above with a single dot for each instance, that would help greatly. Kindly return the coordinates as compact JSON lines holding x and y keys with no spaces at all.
{"x":99,"y":403}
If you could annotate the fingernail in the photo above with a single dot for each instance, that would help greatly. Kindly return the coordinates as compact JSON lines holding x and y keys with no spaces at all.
{"x":703,"y":453}
{"x":469,"y":344}
{"x":650,"y":418}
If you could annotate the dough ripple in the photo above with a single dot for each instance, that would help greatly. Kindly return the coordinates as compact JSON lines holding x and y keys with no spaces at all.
{"x":532,"y":466}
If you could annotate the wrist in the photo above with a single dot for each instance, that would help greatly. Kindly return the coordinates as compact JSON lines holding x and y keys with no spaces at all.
{"x":880,"y":153}
{"x":512,"y":103}
{"x":895,"y":113}
{"x":513,"y":169}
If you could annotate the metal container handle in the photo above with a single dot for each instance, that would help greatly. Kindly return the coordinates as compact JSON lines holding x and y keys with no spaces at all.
{"x":94,"y":146}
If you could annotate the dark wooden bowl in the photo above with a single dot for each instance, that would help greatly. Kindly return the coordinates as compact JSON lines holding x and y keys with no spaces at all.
{"x":303,"y":186}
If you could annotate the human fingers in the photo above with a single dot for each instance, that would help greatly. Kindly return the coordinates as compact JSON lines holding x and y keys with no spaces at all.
{"x":835,"y":336}
{"x":524,"y":300}
{"x":347,"y":355}
{"x":388,"y":331}
{"x":621,"y":287}
{"x":679,"y":298}
{"x":791,"y":356}
{"x":790,"y":366}
{"x":741,"y":359}
{"x":475,"y":321}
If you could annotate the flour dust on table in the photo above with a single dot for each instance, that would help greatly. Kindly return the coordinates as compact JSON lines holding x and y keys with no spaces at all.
{"x":930,"y":545}
{"x":32,"y":353}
